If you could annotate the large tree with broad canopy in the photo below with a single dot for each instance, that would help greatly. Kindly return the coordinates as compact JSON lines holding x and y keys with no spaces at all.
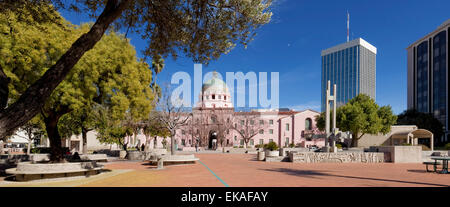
{"x":202,"y":30}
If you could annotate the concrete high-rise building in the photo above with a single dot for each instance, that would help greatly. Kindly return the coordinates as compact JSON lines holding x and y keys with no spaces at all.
{"x":352,"y":67}
{"x":428,"y":74}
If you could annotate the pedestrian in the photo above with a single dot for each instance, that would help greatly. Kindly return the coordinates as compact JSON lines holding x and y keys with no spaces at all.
{"x":214,"y":143}
{"x":196,"y":145}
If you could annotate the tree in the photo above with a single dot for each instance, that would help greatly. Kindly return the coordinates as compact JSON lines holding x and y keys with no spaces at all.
{"x":172,"y":115}
{"x":110,"y":130}
{"x":249,"y":126}
{"x":33,"y":129}
{"x":361,"y":115}
{"x":203,"y":30}
{"x":422,"y":120}
{"x":154,"y":128}
{"x":119,"y":80}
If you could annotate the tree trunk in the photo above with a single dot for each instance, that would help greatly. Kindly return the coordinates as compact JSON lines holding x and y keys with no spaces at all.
{"x":84,"y":132}
{"x":32,"y":100}
{"x":51,"y":126}
{"x":29,"y":146}
{"x":355,"y":140}
{"x":172,"y":145}
{"x":4,"y":90}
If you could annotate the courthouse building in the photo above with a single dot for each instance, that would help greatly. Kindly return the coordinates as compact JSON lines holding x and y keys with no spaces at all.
{"x":214,"y":117}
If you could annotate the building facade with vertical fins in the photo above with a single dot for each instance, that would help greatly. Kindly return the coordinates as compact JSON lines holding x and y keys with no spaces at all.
{"x":428,"y":74}
{"x":352,"y":67}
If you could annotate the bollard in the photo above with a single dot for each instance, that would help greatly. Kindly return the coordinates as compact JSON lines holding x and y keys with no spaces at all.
{"x":160,"y":163}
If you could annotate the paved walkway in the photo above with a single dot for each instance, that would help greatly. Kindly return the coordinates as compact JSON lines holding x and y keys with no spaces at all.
{"x":235,"y":170}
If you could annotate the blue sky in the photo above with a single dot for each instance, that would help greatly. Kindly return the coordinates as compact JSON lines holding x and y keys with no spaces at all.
{"x":291,"y":44}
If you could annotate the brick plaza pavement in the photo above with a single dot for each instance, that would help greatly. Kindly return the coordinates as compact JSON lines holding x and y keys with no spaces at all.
{"x":242,"y":170}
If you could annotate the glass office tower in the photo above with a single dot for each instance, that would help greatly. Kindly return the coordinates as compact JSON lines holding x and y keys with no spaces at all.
{"x":352,"y":67}
{"x":427,"y":64}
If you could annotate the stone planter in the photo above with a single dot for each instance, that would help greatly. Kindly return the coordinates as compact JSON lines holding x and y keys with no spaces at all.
{"x":122,"y":154}
{"x":275,"y":153}
{"x":29,"y":171}
{"x":135,"y":155}
{"x":261,"y":155}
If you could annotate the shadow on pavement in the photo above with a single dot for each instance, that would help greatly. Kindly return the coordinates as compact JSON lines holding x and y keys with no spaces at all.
{"x":316,"y":174}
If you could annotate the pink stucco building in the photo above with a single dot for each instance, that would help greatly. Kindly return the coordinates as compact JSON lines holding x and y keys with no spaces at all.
{"x":214,"y":117}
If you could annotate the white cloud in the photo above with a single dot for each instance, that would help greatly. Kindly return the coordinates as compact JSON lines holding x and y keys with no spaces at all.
{"x":313,"y":105}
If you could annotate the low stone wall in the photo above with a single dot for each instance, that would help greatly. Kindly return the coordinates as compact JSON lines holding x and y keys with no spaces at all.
{"x":239,"y":150}
{"x":400,"y":154}
{"x":277,"y":159}
{"x":188,"y":149}
{"x":152,"y":152}
{"x":339,"y":157}
{"x":285,"y":151}
{"x":13,"y":159}
{"x":110,"y":153}
{"x":39,"y":157}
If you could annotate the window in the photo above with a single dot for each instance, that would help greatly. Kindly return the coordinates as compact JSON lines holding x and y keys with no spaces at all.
{"x":242,"y":122}
{"x":183,"y":132}
{"x":251,"y":142}
{"x":225,"y":98}
{"x":261,"y":122}
{"x":271,"y":122}
{"x":287,"y":127}
{"x":252,"y":122}
{"x":308,"y":124}
{"x":270,"y":140}
{"x":220,"y":97}
{"x":183,"y":142}
{"x":287,"y":142}
{"x":242,"y":141}
{"x":228,"y":120}
{"x":261,"y":131}
{"x":235,"y":138}
{"x":228,"y":131}
{"x":261,"y":141}
{"x":213,"y":96}
{"x":270,"y":131}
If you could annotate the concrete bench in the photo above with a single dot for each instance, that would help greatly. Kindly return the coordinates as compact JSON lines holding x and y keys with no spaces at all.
{"x":431,"y":163}
{"x":95,"y":157}
{"x":29,"y":171}
{"x":174,"y":159}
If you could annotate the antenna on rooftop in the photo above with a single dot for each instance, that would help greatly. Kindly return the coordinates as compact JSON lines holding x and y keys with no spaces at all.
{"x":348,"y":26}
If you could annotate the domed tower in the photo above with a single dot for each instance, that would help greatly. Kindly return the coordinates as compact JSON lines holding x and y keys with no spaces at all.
{"x":215,"y":94}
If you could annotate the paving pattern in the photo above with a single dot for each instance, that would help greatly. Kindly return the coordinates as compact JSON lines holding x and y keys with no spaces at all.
{"x":242,"y":170}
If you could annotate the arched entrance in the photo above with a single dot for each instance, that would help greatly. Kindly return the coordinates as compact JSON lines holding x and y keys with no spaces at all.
{"x":212,"y":136}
